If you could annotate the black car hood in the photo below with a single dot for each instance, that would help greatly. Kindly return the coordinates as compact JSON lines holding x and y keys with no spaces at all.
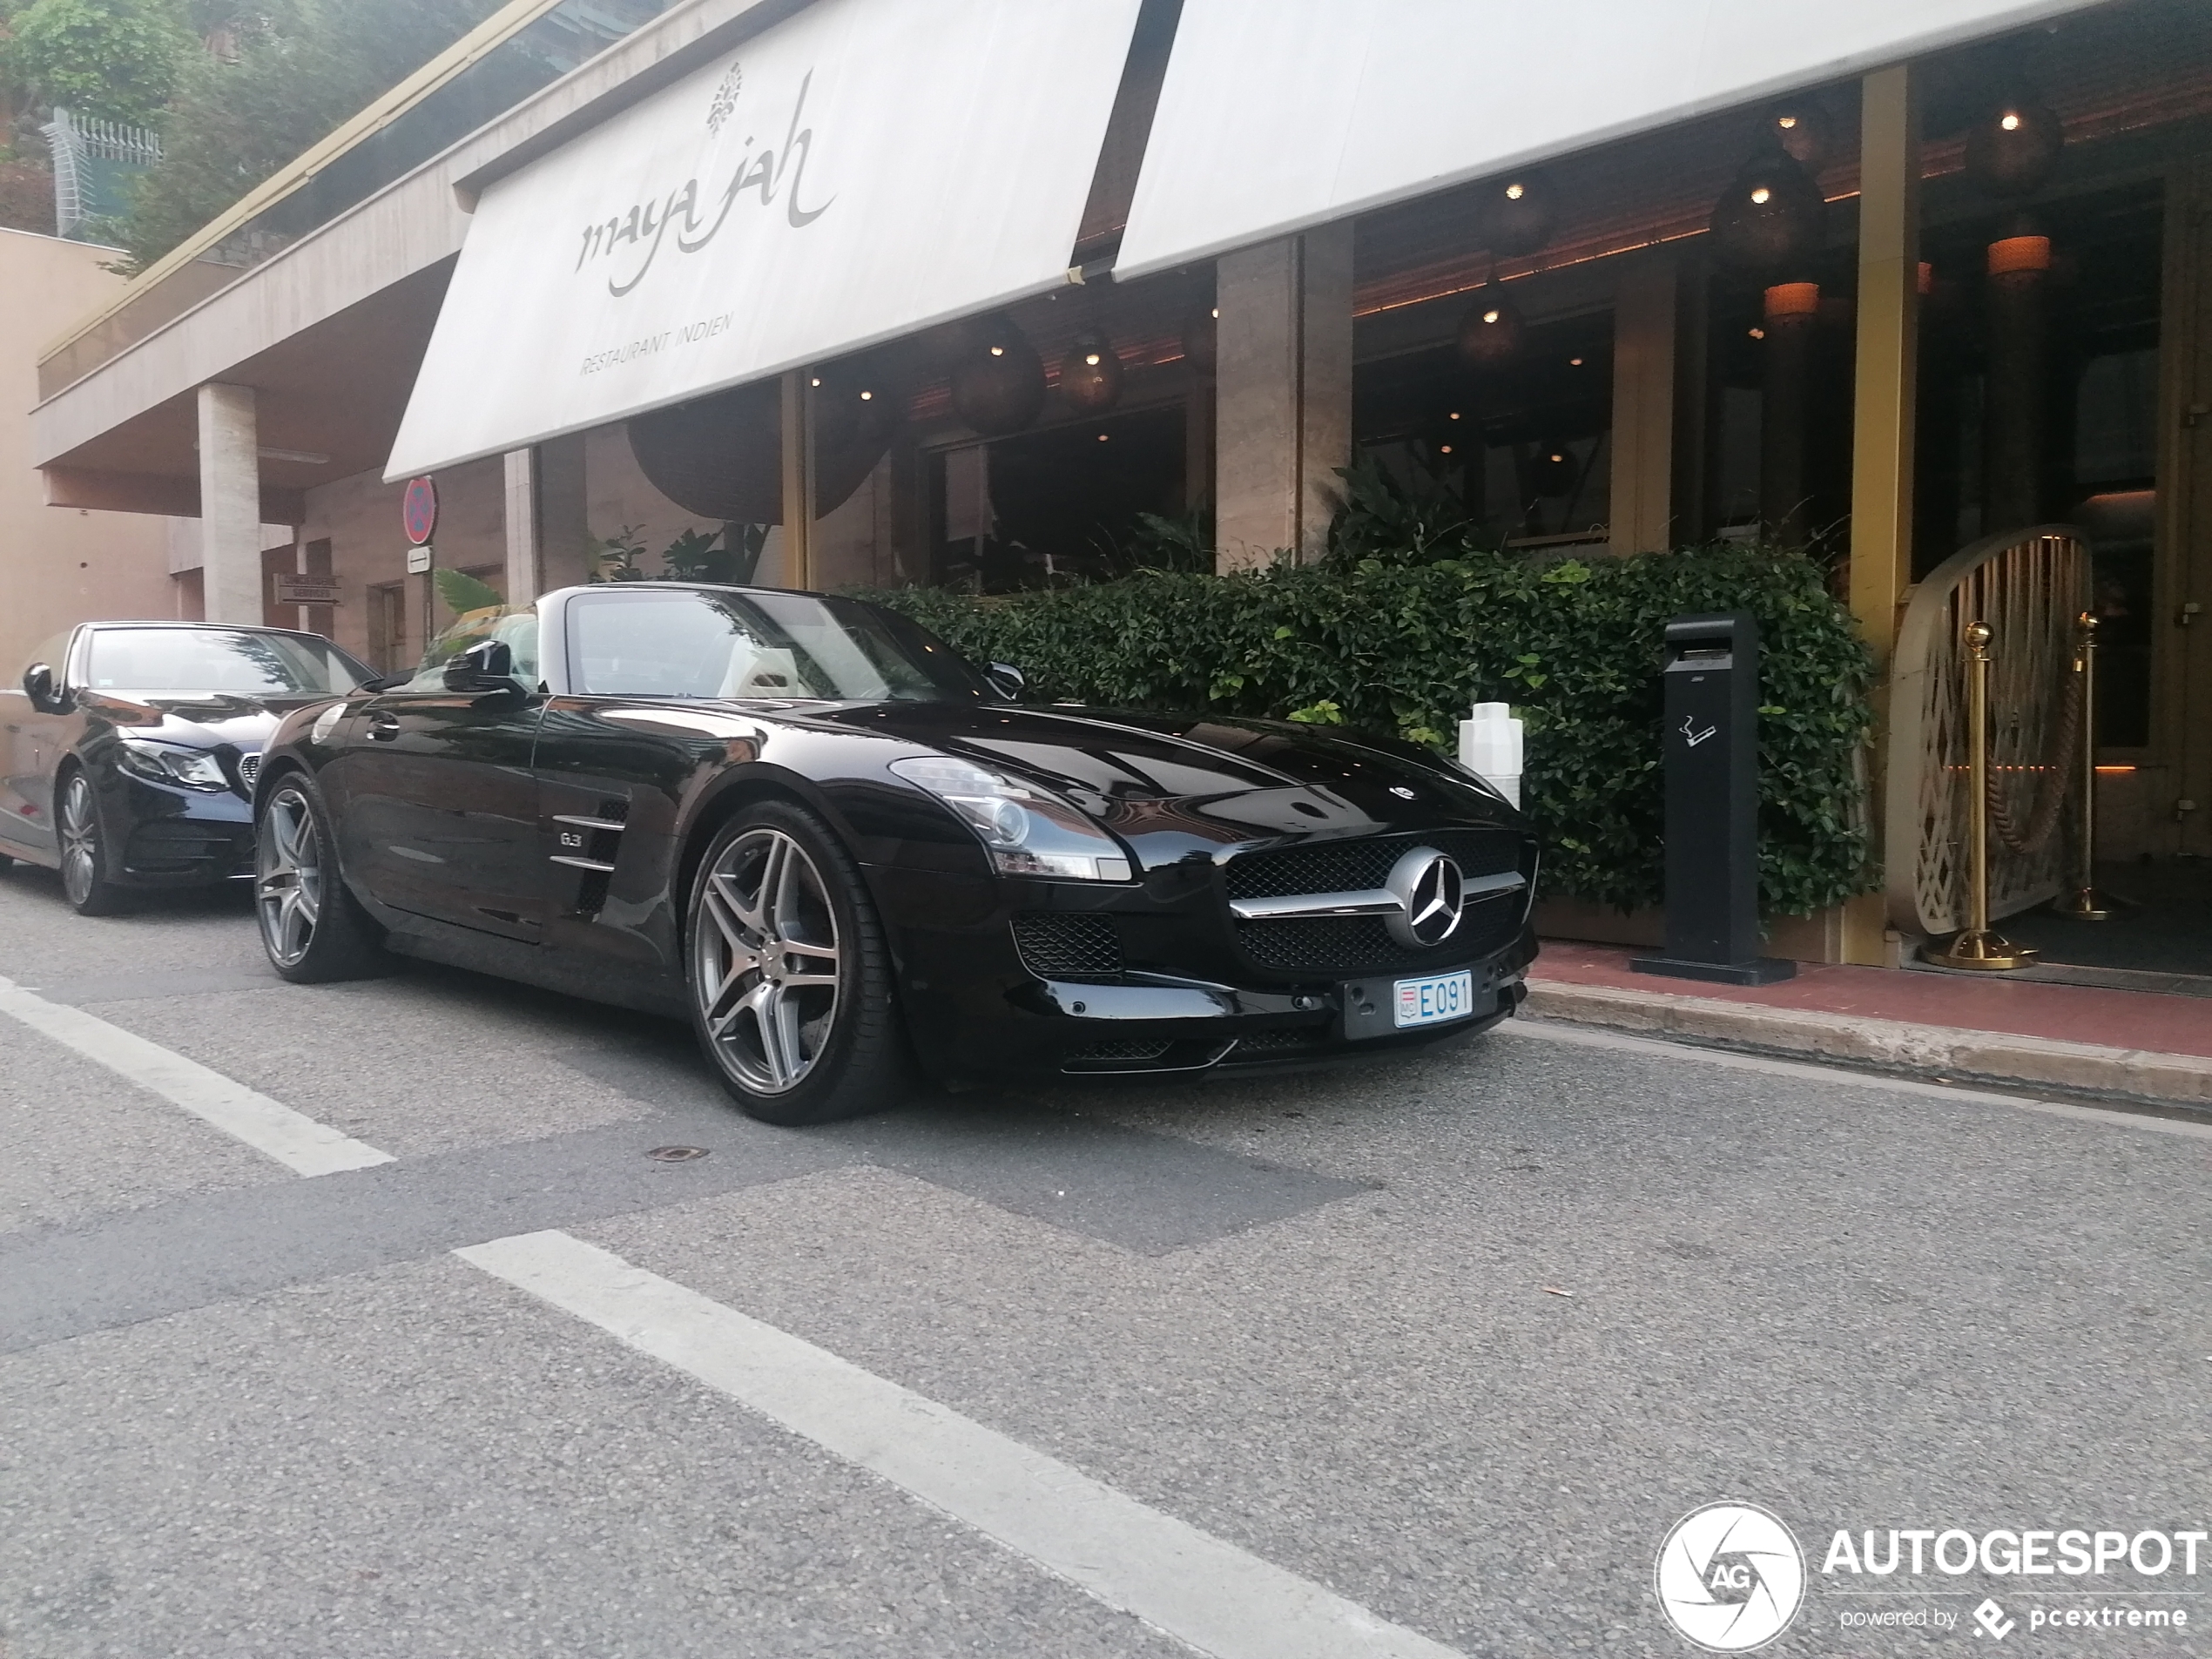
{"x":198,"y":719}
{"x":1174,"y":786}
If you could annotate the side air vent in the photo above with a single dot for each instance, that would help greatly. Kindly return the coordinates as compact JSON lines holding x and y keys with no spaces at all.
{"x":590,"y":842}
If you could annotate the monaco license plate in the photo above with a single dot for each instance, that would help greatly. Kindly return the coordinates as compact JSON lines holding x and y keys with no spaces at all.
{"x":1433,"y":999}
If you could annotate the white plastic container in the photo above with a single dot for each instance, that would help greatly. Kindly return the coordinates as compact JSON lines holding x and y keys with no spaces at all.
{"x":1490,"y":745}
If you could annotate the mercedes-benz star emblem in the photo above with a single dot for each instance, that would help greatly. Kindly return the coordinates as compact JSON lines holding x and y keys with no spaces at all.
{"x":1427,"y":886}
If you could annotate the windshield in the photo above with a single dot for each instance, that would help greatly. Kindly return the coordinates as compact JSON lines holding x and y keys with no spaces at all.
{"x":218,"y":659}
{"x":758,"y":644}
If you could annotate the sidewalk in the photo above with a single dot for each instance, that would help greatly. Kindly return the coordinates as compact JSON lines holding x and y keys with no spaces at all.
{"x":1985,"y":1031}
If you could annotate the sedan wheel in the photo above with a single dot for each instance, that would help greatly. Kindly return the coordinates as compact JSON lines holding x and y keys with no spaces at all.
{"x":791,"y":985}
{"x":311,"y":926}
{"x":84,"y":879}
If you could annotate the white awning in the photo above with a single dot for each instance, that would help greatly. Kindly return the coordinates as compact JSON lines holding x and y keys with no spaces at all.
{"x":859,"y":170}
{"x":1280,"y":114}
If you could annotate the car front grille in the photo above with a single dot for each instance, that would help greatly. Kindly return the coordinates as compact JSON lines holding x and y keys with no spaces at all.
{"x":1355,"y":866}
{"x":1054,"y":947}
{"x":1343,"y":945}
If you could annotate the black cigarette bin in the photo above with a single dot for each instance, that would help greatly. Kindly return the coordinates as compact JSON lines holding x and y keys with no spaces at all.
{"x":1710,"y":738}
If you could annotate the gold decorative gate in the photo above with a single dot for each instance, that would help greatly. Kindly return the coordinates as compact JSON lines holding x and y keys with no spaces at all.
{"x":2029,"y":586}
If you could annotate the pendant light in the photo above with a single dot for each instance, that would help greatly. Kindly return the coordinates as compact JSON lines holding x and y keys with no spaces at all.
{"x":999,"y":386}
{"x":1489,"y":329}
{"x":2013,"y":149}
{"x":1517,"y":213}
{"x":1091,"y":374}
{"x":1770,"y":218}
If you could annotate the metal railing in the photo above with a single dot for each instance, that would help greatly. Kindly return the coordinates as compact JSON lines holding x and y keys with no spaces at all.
{"x":2028,"y":586}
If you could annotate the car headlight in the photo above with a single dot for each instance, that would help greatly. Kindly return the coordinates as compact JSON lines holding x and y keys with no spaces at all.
{"x":1029,"y":831}
{"x":167,"y":764}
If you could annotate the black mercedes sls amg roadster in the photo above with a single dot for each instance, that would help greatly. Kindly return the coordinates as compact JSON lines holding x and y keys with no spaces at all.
{"x":808,"y":826}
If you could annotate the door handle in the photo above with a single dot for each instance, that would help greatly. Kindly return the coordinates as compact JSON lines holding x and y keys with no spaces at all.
{"x":384,"y":727}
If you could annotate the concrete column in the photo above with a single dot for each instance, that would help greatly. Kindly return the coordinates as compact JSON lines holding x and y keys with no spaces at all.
{"x":1883,"y":414}
{"x":797,"y":546}
{"x":525,"y":552}
{"x":230,"y":505}
{"x":563,"y":512}
{"x":1644,"y":406}
{"x":1283,"y":398}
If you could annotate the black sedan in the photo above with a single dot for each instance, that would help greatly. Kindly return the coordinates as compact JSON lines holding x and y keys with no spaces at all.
{"x":809,"y":827}
{"x":131,"y":747}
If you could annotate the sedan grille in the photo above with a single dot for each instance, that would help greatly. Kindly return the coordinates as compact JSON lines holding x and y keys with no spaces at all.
{"x":1056,"y":946}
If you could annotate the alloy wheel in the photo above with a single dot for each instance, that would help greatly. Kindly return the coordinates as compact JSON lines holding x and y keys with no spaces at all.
{"x":765,"y":960}
{"x":80,"y":840}
{"x":287,"y":885}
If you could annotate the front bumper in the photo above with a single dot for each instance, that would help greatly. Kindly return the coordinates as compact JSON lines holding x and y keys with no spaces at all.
{"x":1186,"y":1000}
{"x":158,"y":836}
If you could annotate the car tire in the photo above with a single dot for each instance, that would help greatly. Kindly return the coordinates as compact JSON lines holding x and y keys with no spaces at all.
{"x":85,"y":883}
{"x":816,"y":1036}
{"x":312,"y":927}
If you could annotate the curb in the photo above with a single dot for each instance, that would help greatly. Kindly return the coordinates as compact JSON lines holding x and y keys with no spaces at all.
{"x":1981,"y":1057}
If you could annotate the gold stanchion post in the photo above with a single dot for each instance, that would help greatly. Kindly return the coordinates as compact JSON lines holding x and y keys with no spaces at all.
{"x":1976,"y":946}
{"x":2083,"y":904}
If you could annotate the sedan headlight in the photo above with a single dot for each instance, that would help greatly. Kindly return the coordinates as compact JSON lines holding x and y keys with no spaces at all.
{"x":167,"y":764}
{"x":1029,"y":831}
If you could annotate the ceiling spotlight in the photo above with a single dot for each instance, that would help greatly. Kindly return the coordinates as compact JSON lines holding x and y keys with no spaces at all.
{"x":1758,"y":334}
{"x":865,"y":396}
{"x":1455,"y":415}
{"x":815,"y":380}
{"x":1101,"y":437}
{"x":1443,"y":449}
{"x":1490,"y":316}
{"x":2011,"y":122}
{"x":1787,"y":123}
{"x":1090,"y":359}
{"x":1761,"y":196}
{"x":996,"y":351}
{"x":1574,"y":363}
{"x":1514,"y":192}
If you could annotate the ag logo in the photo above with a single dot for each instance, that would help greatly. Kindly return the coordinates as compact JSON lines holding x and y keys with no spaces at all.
{"x":1730,"y":1577}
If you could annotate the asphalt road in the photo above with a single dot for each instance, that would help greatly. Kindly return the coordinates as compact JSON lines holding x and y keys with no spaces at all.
{"x":1269,"y":1367}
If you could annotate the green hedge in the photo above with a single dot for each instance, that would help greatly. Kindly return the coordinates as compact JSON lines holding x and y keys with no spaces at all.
{"x":1574,"y":645}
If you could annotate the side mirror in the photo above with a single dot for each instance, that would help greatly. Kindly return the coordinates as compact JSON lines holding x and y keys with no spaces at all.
{"x":488,"y":665}
{"x":1007,"y":680}
{"x":38,"y":686}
